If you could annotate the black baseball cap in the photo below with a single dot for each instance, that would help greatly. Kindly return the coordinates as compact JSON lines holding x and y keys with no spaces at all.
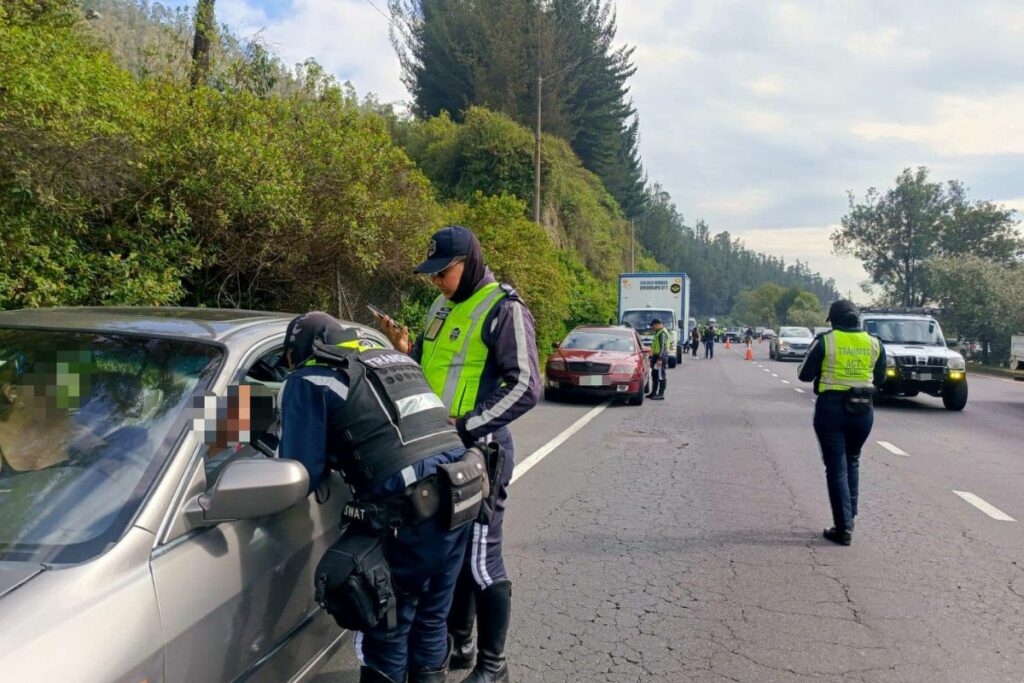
{"x":656,"y":321}
{"x":840,"y":310}
{"x":446,"y":245}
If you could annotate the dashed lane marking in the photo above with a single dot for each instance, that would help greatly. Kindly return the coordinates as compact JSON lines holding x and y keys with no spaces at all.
{"x":767,"y":370}
{"x":785,"y":381}
{"x":545,"y":450}
{"x":989,"y":509}
{"x":895,"y":450}
{"x":774,"y":375}
{"x":798,"y":390}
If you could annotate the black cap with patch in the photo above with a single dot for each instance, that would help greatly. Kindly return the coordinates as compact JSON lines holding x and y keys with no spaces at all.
{"x":447,"y":244}
{"x":842,"y":310}
{"x":307,"y":328}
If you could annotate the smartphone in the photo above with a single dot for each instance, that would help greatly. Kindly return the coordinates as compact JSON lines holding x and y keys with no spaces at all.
{"x":384,"y":316}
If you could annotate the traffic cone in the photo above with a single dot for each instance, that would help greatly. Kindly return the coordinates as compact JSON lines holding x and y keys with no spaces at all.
{"x":728,"y":344}
{"x":750,"y":353}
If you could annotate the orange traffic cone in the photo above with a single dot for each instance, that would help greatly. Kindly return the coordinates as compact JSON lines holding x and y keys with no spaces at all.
{"x":750,"y":353}
{"x":728,"y":343}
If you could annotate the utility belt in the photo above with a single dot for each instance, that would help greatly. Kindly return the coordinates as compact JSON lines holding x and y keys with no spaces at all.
{"x":353,"y":579}
{"x":856,"y":400}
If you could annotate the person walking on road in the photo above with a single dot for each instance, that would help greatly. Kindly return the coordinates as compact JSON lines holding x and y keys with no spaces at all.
{"x":709,"y":341}
{"x":659,"y":360}
{"x":695,"y":341}
{"x":337,"y":412}
{"x":846,"y":365}
{"x":479,"y":354}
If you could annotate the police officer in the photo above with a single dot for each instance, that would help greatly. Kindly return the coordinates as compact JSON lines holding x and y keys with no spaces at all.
{"x":709,"y":341}
{"x":846,"y":365}
{"x":479,"y":353}
{"x":369,"y":413}
{"x":659,"y":360}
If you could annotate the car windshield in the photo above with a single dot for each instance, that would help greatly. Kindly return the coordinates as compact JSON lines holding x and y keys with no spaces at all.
{"x":906,"y":331}
{"x":795,"y":332}
{"x":641,"y":320}
{"x":86,"y":421}
{"x":600,"y":341}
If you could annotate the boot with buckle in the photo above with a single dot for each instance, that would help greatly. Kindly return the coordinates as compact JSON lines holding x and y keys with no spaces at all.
{"x":460,"y":623}
{"x":438,"y":675}
{"x":494,"y":608}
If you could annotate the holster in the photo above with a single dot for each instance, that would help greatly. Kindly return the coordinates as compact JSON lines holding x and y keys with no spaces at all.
{"x":494,"y":460}
{"x":462,"y":483}
{"x":353,"y":581}
{"x":859,"y":400}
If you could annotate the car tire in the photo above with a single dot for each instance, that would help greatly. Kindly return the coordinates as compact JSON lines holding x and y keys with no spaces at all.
{"x":636,"y":399}
{"x":671,"y":362}
{"x":955,"y":396}
{"x":552,"y":394}
{"x":679,"y":354}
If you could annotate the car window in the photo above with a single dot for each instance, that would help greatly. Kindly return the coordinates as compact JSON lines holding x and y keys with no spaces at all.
{"x":797,"y":332}
{"x":906,"y":331}
{"x":86,"y":423}
{"x":641,"y":320}
{"x":599,"y":341}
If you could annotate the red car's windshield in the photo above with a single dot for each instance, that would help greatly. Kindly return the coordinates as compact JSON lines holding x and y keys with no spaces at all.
{"x":593,"y":340}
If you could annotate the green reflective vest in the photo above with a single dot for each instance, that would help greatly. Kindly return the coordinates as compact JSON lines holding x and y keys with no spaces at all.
{"x":454,"y":353}
{"x":850,"y":359}
{"x":660,"y":340}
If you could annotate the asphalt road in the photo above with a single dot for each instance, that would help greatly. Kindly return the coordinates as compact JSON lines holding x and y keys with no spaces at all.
{"x":681,"y":541}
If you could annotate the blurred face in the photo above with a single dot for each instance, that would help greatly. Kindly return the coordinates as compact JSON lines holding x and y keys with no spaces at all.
{"x":447,"y":280}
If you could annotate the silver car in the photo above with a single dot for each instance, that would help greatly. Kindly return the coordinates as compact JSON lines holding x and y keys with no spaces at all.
{"x":791,"y":342}
{"x":129,"y":550}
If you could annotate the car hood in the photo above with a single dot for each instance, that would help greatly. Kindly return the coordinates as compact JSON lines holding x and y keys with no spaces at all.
{"x":796,"y":340}
{"x":594,"y":356}
{"x":16,"y":574}
{"x":894,"y":349}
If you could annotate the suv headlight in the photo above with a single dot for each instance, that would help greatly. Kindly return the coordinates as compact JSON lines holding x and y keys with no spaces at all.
{"x":556,"y":364}
{"x":957,"y":363}
{"x":890,"y":361}
{"x":784,"y":345}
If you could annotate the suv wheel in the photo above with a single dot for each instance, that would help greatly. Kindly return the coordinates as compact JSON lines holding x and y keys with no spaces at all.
{"x":955,"y":396}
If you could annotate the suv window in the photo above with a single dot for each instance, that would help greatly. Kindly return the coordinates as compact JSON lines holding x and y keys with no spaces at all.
{"x":921,"y":331}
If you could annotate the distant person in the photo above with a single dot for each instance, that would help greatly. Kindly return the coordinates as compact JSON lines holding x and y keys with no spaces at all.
{"x":695,"y":341}
{"x":846,"y":366}
{"x":709,"y":341}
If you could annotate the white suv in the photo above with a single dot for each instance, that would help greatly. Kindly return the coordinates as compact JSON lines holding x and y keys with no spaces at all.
{"x":917,"y":359}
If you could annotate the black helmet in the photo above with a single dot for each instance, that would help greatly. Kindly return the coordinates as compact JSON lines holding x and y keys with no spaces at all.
{"x":306,"y":329}
{"x":843,"y":311}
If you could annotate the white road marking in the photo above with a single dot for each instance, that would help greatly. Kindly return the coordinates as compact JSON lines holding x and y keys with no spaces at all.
{"x":774,"y":375}
{"x":895,"y":450}
{"x":988,"y":509}
{"x":767,"y":370}
{"x":785,"y":381}
{"x":545,"y":450}
{"x":798,"y":390}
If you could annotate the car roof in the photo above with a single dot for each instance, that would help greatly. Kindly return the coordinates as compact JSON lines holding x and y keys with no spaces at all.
{"x":602,"y":328}
{"x":215,"y":325}
{"x":897,"y":316}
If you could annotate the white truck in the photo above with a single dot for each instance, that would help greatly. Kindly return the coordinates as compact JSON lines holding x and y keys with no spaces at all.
{"x":1017,"y":355}
{"x":646,"y":296}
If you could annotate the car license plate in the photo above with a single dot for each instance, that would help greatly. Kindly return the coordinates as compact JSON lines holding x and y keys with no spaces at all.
{"x":591,"y":380}
{"x":923,"y":376}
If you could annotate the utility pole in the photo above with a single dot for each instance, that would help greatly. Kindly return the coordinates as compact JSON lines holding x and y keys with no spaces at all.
{"x":536,"y":155}
{"x":632,"y":245}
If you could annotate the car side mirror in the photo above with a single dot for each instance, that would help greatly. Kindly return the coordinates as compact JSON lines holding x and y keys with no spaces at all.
{"x":248,"y":488}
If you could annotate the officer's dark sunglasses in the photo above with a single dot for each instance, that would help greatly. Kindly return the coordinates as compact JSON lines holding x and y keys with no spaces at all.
{"x":441,"y":274}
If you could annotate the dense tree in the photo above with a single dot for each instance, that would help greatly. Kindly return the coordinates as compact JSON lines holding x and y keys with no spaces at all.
{"x":205,"y":34}
{"x":895,"y":233}
{"x":490,"y":53}
{"x":981,"y":300}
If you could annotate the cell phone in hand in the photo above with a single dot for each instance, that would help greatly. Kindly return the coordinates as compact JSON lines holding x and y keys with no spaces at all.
{"x":381,"y":314}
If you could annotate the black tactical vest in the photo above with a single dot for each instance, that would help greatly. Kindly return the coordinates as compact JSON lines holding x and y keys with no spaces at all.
{"x":391,"y":418}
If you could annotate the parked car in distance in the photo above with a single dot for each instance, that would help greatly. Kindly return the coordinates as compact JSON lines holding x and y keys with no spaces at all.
{"x":734,"y":334}
{"x":129,"y":549}
{"x":599,"y":361}
{"x":791,"y":342}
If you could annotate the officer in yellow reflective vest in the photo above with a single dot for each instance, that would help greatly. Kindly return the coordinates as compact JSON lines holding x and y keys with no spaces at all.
{"x":659,"y":360}
{"x":846,"y":365}
{"x":479,"y":354}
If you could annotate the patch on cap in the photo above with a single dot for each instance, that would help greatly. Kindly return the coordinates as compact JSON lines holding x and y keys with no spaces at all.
{"x":431,"y":248}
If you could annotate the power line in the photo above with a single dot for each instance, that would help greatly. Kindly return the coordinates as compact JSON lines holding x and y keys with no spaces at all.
{"x":382,"y":13}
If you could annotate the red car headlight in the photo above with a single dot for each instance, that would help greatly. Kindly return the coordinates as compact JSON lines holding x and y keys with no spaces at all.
{"x":556,"y":364}
{"x":624,"y":369}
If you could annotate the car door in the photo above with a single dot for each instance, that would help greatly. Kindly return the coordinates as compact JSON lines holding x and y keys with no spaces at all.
{"x":236,"y":599}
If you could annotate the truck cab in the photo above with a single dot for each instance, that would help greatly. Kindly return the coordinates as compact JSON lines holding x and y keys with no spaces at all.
{"x":640,"y":320}
{"x":917,"y":357}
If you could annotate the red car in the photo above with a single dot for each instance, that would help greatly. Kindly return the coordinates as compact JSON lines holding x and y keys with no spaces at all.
{"x":599,"y":361}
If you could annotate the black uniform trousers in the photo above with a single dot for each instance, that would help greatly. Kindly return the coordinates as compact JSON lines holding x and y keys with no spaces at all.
{"x":841,"y":436}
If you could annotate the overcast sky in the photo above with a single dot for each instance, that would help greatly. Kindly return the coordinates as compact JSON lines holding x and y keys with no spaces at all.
{"x":758,"y":116}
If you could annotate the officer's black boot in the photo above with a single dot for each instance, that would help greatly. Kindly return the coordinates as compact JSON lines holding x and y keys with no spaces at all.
{"x":438,"y":675}
{"x":370,"y":675}
{"x":494,"y":607}
{"x":460,"y":622}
